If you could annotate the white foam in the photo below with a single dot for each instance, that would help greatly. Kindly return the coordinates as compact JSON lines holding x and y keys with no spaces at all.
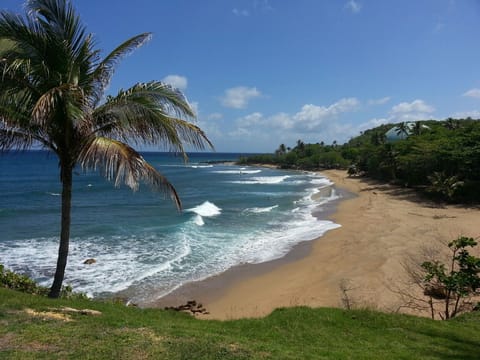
{"x":321,"y":181}
{"x":198,"y":220}
{"x":53,"y":194}
{"x":200,"y":166}
{"x":240,"y":171}
{"x":146,"y":263}
{"x":206,"y":209}
{"x":258,"y":210}
{"x":120,"y":263}
{"x":263,"y":180}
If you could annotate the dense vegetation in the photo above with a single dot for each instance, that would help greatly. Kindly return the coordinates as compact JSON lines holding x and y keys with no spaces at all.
{"x":36,"y":327}
{"x":441,"y":158}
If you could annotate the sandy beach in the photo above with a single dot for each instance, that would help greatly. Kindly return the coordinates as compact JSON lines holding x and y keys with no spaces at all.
{"x":380,"y":226}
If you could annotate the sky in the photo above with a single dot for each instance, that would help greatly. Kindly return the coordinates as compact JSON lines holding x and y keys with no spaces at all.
{"x":260,"y":73}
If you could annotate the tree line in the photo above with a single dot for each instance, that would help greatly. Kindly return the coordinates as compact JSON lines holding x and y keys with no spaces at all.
{"x":438,"y":158}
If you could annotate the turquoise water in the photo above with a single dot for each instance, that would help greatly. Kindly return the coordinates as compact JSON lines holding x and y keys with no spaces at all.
{"x":144,"y":247}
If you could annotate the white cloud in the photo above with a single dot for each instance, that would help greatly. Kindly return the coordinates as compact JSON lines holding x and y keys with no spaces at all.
{"x":416,"y":110}
{"x":312,"y":123}
{"x":474,"y":114}
{"x":312,"y":116}
{"x":180,"y":82}
{"x":380,"y":101}
{"x":373,"y":123}
{"x":250,"y":120}
{"x":475,"y":93}
{"x":238,"y":97}
{"x":353,"y":6}
{"x":240,"y":12}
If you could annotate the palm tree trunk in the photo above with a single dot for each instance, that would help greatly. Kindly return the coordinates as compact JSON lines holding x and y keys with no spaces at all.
{"x":67,"y":175}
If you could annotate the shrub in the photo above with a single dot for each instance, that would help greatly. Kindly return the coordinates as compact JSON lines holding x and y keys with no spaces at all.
{"x":19,"y":282}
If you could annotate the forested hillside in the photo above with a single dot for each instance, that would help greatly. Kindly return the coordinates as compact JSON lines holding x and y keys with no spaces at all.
{"x":439,"y":158}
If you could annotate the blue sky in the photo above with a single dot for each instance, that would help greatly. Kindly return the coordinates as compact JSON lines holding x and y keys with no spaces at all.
{"x":264,"y":72}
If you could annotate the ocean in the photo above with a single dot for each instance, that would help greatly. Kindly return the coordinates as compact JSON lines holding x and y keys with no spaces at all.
{"x":144,"y":248}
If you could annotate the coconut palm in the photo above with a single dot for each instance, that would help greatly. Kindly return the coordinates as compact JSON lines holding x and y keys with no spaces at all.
{"x":403,"y":130}
{"x":52,"y":94}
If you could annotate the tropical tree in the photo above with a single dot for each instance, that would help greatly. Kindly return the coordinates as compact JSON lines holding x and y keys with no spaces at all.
{"x":403,"y":130}
{"x":451,"y":124}
{"x":52,"y":94}
{"x":417,"y":128}
{"x":282,"y":149}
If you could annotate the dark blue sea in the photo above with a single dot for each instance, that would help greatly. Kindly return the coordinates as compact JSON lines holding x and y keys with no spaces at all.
{"x":143,"y":246}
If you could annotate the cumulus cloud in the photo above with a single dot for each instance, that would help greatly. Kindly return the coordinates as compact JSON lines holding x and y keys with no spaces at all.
{"x":353,"y":6}
{"x":373,"y":123}
{"x":312,"y":123}
{"x":315,"y":123}
{"x":238,"y":97}
{"x":475,"y":93}
{"x":180,"y":82}
{"x":312,"y":116}
{"x":250,"y":120}
{"x":415,"y":110}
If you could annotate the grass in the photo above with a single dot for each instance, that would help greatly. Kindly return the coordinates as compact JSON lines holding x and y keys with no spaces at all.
{"x":31,"y":328}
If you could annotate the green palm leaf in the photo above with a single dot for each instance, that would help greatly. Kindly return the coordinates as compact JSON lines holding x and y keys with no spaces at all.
{"x":122,"y":164}
{"x":53,"y":83}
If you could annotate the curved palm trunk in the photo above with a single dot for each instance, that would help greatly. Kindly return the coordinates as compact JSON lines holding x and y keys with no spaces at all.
{"x":67,"y":175}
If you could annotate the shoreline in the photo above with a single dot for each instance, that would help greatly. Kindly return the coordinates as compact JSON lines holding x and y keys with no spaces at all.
{"x":380,"y":225}
{"x":214,"y":287}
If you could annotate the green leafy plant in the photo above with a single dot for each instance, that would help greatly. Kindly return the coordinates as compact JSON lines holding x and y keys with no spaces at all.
{"x":444,"y":185}
{"x":12,"y":280}
{"x":455,"y":282}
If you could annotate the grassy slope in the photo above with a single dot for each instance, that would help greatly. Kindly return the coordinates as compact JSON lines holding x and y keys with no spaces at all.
{"x":295,"y":333}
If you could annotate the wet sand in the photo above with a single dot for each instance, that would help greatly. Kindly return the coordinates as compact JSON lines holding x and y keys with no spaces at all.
{"x":380,"y":226}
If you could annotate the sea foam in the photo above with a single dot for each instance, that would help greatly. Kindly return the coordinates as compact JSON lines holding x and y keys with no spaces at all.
{"x":263,"y":180}
{"x":206,"y":209}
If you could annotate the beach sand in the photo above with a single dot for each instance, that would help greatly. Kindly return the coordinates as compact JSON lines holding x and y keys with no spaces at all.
{"x":380,"y":226}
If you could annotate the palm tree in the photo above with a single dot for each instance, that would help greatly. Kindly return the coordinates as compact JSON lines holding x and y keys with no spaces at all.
{"x":451,"y":124}
{"x":403,"y":130}
{"x":52,"y":94}
{"x":282,"y":149}
{"x":417,"y":128}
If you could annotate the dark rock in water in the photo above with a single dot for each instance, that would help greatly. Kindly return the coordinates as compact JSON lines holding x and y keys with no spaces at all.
{"x":90,"y":261}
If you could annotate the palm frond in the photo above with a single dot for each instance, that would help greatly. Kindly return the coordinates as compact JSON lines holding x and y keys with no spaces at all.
{"x":122,"y":164}
{"x":13,"y":139}
{"x":66,"y":98}
{"x":29,"y":39}
{"x":105,"y":69}
{"x":146,"y":113}
{"x":59,"y":18}
{"x":17,"y":130}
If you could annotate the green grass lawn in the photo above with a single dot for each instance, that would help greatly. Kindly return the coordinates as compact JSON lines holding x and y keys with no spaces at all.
{"x":296,"y":333}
